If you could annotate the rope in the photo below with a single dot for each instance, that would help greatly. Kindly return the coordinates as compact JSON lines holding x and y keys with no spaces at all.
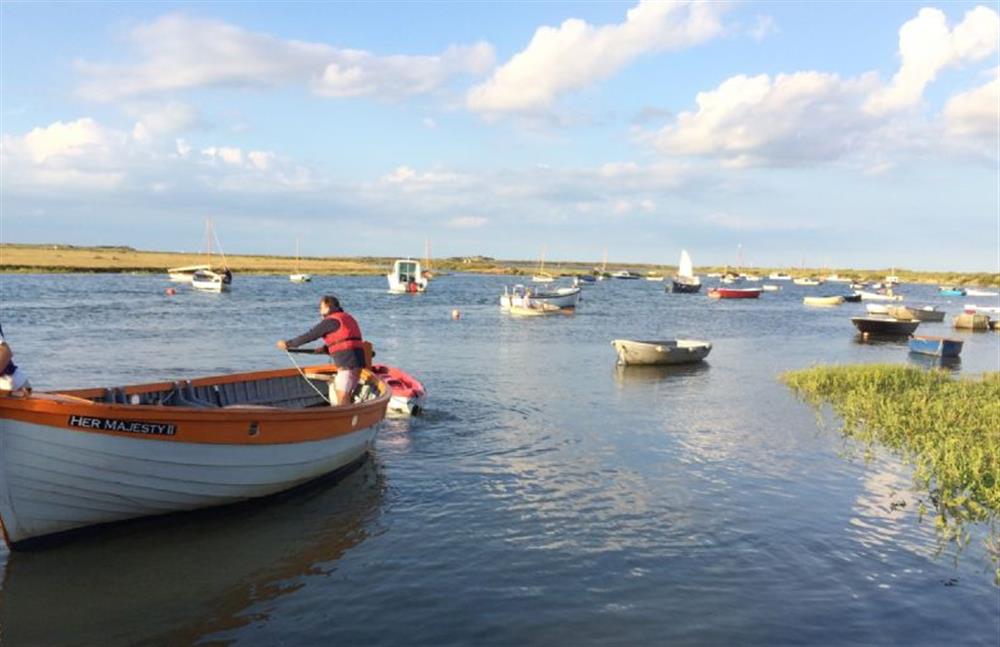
{"x":306,"y":378}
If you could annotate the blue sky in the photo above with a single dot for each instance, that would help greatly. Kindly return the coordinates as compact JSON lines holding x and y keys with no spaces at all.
{"x":838,"y":134}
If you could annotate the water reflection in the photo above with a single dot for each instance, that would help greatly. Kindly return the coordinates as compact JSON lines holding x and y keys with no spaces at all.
{"x":172,"y":580}
{"x":625,"y":375}
{"x":876,"y":339}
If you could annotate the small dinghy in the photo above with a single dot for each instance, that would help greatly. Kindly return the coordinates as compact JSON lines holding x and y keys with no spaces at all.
{"x":524,"y":297}
{"x":823,"y":302}
{"x":927,"y":313}
{"x":408,"y":393}
{"x":852,"y":298}
{"x":884,"y":326}
{"x":79,"y":458}
{"x":972,"y":292}
{"x":211,"y":281}
{"x":675,"y":351}
{"x":806,"y":281}
{"x":948,"y":291}
{"x":734,"y":293}
{"x":935,"y":346}
{"x":878,"y":296}
{"x":770,"y":288}
{"x":972,"y":321}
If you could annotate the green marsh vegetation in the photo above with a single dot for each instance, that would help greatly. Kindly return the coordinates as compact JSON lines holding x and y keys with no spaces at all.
{"x":948,"y":429}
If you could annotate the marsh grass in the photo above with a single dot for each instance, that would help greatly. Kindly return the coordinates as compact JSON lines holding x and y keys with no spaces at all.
{"x":948,"y":429}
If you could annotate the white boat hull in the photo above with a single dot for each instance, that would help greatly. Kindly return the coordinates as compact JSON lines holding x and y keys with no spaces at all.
{"x":210,"y":286}
{"x":980,"y":293}
{"x":680,"y":351}
{"x":405,"y":406}
{"x":300,"y":278}
{"x":54,"y":479}
{"x":874,"y":296}
{"x":181,"y":277}
{"x":562,"y":298}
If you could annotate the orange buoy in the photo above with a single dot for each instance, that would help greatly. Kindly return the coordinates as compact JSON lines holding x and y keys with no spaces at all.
{"x":171,"y":292}
{"x":455,"y":314}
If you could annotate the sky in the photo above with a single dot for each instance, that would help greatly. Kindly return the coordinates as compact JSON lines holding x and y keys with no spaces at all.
{"x":836,"y":134}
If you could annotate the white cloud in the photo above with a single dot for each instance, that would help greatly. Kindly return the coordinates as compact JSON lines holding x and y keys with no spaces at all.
{"x":226,"y":154}
{"x":354,"y":73}
{"x":790,"y":119}
{"x":763,"y":27}
{"x":468,"y":222}
{"x":179,"y":52}
{"x":164,"y":120}
{"x":76,"y":154}
{"x":975,"y":112}
{"x":927,"y":46}
{"x":740,"y":222}
{"x":576,"y":54}
{"x":409,"y":179}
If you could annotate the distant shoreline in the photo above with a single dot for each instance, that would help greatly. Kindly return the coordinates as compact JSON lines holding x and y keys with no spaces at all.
{"x":66,"y":259}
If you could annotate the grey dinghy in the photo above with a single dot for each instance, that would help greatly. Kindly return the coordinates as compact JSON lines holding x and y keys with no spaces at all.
{"x":674,"y":351}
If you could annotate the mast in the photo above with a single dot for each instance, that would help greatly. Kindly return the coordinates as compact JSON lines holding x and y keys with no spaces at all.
{"x":297,"y":255}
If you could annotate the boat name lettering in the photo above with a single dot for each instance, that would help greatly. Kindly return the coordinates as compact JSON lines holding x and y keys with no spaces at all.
{"x":128,"y":426}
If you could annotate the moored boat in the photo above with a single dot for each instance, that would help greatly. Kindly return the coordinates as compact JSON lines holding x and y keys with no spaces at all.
{"x":972,"y":292}
{"x":972,"y":321}
{"x":936,"y":346}
{"x":884,"y":326}
{"x":210,"y":281}
{"x":852,"y":298}
{"x":948,"y":291}
{"x":806,"y":281}
{"x":626,"y":274}
{"x":84,"y":457}
{"x":674,"y":351}
{"x":823,"y":302}
{"x":685,"y":282}
{"x":770,"y":288}
{"x":299,"y":276}
{"x":186,"y":273}
{"x":928,"y":314}
{"x":734,"y":293}
{"x":878,"y":296}
{"x":989,"y":310}
{"x":519,"y":296}
{"x":779,"y":276}
{"x":406,"y":277}
{"x":877,"y":309}
{"x":538,"y":310}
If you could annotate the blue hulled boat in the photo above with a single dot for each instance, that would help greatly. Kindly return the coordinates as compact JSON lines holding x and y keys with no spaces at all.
{"x":936,"y":346}
{"x":952,"y":292}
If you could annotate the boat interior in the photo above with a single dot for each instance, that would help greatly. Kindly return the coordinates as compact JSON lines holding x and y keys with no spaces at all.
{"x":277,"y":389}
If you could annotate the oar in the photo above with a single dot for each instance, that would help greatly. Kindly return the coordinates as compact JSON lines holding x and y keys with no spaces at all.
{"x":310,"y":351}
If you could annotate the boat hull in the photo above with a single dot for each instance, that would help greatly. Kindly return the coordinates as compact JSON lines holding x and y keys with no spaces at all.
{"x":884,"y":326}
{"x":82,"y":458}
{"x":936,"y":346}
{"x":660,"y":353}
{"x":56,"y":480}
{"x":408,"y":394}
{"x":562,"y":298}
{"x":682,"y":286}
{"x":735,"y":293}
{"x":823,"y":302}
{"x":875,"y":296}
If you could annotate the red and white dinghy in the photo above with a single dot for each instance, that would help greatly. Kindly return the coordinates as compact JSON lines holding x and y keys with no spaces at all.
{"x":79,"y":458}
{"x":735,"y":293}
{"x":408,"y":393}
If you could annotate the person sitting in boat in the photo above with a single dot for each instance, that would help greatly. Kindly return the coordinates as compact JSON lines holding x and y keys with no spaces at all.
{"x":13,"y":381}
{"x":412,"y":285}
{"x":342,"y":339}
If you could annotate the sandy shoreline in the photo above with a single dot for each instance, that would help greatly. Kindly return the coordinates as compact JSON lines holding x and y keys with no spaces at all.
{"x":17,"y":258}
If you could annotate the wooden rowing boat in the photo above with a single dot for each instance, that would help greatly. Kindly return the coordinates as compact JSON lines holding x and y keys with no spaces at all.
{"x":823,"y":302}
{"x":884,"y":326}
{"x":674,"y":351}
{"x":72,"y":459}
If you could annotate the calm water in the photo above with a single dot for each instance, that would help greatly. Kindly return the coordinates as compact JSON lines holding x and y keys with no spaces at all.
{"x":545,"y":498}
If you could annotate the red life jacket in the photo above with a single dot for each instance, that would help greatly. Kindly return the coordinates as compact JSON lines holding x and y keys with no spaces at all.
{"x":347,"y":337}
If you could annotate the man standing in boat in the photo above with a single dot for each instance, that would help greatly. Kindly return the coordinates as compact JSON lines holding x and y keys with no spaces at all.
{"x":342,"y":339}
{"x":12,"y":379}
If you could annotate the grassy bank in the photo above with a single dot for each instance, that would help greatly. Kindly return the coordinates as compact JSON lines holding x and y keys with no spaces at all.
{"x":69,"y":258}
{"x":947,"y":428}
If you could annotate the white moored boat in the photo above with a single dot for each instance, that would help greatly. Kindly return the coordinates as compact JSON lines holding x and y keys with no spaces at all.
{"x":779,"y":276}
{"x":85,"y":457}
{"x":823,"y":302}
{"x":406,"y":276}
{"x":210,"y":281}
{"x":521,"y":297}
{"x":673,"y":351}
{"x":186,"y":273}
{"x":299,"y":276}
{"x":972,"y":292}
{"x":685,"y":281}
{"x":878,"y":296}
{"x":806,"y":281}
